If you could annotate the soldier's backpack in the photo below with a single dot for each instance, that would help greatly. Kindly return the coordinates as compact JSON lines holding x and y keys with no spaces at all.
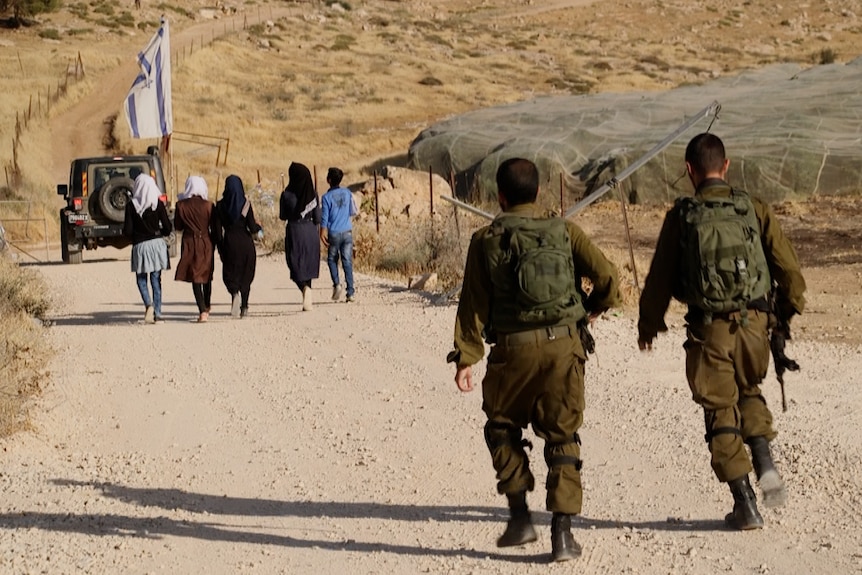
{"x":531,"y":267}
{"x":723,"y":265}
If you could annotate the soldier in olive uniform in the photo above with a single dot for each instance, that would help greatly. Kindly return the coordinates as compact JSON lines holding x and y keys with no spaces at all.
{"x":535,"y":372}
{"x":727,"y":354}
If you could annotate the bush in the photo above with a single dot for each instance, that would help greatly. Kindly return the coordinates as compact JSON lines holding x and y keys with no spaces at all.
{"x":50,"y":34}
{"x":406,"y":248}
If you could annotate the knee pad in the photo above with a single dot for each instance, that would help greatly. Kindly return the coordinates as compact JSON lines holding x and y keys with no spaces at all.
{"x":562,"y":459}
{"x":709,"y":421}
{"x":499,"y":434}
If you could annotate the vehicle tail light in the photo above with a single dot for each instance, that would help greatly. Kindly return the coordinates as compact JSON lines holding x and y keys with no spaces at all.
{"x":78,"y":204}
{"x":83,"y":186}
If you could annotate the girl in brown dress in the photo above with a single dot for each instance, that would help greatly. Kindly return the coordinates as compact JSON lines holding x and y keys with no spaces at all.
{"x":194,"y":217}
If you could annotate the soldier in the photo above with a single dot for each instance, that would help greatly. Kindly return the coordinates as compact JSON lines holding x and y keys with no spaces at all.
{"x":522,"y":294}
{"x":720,"y":252}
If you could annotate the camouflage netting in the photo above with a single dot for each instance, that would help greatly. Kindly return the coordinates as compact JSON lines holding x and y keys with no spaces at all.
{"x":789,"y":132}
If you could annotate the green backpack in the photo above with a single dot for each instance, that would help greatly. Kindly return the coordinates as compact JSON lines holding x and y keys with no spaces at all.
{"x":724,"y":267}
{"x":531,"y":267}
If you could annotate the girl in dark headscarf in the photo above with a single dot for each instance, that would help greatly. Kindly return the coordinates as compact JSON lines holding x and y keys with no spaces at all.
{"x":300,"y":208}
{"x":235,"y":224}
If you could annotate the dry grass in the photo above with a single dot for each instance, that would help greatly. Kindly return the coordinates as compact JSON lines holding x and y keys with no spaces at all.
{"x":406,"y":247}
{"x":25,"y":352}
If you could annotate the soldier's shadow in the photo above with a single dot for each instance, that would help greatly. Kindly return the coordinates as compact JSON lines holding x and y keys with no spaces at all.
{"x":209,"y":506}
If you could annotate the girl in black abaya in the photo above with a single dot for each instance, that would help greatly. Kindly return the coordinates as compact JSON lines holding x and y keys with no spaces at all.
{"x":299,"y":207}
{"x":236,"y":224}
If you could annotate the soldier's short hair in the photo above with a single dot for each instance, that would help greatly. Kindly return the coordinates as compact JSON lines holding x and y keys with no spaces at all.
{"x":518,"y":181}
{"x":705,"y":153}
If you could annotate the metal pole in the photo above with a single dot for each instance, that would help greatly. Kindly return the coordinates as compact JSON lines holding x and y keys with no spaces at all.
{"x":562,"y":209}
{"x":431,"y":188}
{"x":629,"y":239}
{"x":712,"y":109}
{"x":468,"y":207}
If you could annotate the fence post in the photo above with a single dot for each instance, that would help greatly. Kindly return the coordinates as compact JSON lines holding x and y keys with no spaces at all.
{"x":81,"y":60}
{"x":376,"y":204}
{"x":218,"y":155}
{"x":226,"y":149}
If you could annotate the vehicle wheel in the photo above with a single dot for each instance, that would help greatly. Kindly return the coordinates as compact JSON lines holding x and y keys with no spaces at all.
{"x":114,"y":196}
{"x":64,"y":244}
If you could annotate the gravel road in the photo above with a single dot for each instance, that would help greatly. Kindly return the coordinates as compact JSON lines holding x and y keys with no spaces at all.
{"x":335,"y":441}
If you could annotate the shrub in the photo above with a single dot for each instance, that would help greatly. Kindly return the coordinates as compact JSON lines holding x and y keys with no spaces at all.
{"x":50,"y":34}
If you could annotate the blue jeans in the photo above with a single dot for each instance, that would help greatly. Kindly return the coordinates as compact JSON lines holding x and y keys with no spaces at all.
{"x":341,"y":245}
{"x":156,"y":280}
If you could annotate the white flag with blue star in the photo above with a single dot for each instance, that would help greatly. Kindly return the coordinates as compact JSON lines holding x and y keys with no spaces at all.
{"x":148,"y":105}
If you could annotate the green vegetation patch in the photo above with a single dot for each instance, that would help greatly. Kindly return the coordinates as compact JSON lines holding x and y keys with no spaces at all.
{"x":50,"y":34}
{"x":343,"y":42}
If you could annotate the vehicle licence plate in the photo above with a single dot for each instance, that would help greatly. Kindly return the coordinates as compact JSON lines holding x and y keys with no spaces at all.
{"x":74,"y":218}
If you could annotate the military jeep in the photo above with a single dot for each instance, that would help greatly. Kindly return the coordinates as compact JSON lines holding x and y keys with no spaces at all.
{"x":96,"y":198}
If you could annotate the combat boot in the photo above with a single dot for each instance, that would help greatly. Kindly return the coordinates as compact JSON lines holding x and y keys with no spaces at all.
{"x":563,"y":544}
{"x":771,"y":485}
{"x":745,"y":515}
{"x":519,"y":529}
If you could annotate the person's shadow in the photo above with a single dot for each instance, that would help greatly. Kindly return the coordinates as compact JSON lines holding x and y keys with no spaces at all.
{"x":213,"y":505}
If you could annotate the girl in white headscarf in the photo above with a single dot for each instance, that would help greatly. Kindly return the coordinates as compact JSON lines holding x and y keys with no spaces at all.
{"x":194,"y":218}
{"x":146,"y":225}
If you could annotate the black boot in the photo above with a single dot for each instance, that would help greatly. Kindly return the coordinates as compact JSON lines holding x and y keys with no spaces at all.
{"x":745,"y":514}
{"x":563,"y":544}
{"x":771,"y":485}
{"x":519,"y":529}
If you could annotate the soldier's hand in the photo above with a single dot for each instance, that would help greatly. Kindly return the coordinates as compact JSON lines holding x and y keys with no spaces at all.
{"x":645,"y":345}
{"x":464,"y":378}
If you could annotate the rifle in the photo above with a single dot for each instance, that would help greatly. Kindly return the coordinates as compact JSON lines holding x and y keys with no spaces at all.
{"x":777,"y":341}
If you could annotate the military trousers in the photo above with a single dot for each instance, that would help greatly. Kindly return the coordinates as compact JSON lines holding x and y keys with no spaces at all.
{"x":537,"y":378}
{"x":726,"y":360}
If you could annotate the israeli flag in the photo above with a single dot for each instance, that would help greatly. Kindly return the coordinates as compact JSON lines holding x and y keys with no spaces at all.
{"x":148,"y":105}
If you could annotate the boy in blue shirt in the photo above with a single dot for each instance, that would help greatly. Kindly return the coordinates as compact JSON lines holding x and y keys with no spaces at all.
{"x":336,"y":232}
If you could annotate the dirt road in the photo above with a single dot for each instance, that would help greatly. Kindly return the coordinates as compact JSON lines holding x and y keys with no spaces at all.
{"x":334,"y":441}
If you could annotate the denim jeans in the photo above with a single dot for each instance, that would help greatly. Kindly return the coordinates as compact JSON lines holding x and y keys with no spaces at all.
{"x":156,"y":280}
{"x":341,"y":245}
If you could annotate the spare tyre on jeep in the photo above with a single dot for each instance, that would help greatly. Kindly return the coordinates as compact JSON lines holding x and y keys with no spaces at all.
{"x":96,"y":197}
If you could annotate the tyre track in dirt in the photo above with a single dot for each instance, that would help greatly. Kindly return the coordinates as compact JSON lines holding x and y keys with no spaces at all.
{"x":80,"y":130}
